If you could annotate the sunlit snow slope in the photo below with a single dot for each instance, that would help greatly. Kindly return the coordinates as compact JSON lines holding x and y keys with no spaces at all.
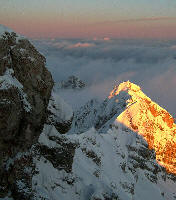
{"x":151,"y":121}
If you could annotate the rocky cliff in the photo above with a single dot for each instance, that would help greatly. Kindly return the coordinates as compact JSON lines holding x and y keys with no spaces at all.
{"x":26,"y":104}
{"x":25,"y":89}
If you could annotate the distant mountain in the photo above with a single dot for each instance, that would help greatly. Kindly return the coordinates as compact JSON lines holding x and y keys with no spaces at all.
{"x":73,"y":82}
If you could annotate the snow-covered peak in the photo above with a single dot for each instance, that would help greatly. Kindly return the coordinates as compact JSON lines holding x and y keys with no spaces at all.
{"x":132,"y":89}
{"x":148,"y":119}
{"x":125,"y":86}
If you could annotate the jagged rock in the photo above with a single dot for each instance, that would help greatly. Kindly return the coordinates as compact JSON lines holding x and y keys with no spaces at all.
{"x":73,"y":82}
{"x":61,"y":155}
{"x":25,"y":89}
{"x":29,"y":78}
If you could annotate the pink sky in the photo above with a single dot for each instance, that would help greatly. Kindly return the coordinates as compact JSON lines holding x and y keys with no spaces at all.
{"x":93,"y":18}
{"x":121,"y":29}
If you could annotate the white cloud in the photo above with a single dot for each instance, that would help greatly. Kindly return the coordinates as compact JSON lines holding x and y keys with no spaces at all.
{"x":101,"y":64}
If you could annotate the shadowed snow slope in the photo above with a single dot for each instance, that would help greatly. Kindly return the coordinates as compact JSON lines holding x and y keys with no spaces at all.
{"x":60,"y":114}
{"x":92,"y":165}
{"x":99,"y":115}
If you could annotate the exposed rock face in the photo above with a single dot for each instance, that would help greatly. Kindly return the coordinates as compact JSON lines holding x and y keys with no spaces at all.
{"x":151,"y":121}
{"x":36,"y":82}
{"x":73,"y":82}
{"x":25,"y":89}
{"x":62,"y":153}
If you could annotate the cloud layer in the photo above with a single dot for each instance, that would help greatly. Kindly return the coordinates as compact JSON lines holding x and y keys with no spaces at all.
{"x":104,"y":63}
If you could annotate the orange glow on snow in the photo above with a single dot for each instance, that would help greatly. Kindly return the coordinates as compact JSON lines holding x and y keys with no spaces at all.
{"x":151,"y":121}
{"x":79,"y":44}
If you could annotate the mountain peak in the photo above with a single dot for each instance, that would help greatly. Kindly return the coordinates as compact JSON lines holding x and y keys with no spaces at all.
{"x":153,"y":122}
{"x":125,"y":86}
{"x":132,"y":89}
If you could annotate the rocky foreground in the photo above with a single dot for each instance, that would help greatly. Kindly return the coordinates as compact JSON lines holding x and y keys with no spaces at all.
{"x":122,"y":148}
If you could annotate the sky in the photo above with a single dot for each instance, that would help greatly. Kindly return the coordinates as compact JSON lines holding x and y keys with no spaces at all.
{"x":90,"y":18}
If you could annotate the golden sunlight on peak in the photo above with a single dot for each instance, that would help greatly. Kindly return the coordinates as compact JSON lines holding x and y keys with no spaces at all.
{"x":125,"y":86}
{"x":151,"y":121}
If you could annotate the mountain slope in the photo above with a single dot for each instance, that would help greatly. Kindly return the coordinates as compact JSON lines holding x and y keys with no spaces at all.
{"x":99,"y":115}
{"x":137,"y":112}
{"x":151,"y":121}
{"x":92,"y":165}
{"x":116,"y":164}
{"x":60,"y":114}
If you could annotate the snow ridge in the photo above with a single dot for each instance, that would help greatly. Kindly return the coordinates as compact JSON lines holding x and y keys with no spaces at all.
{"x":99,"y":115}
{"x":151,"y":121}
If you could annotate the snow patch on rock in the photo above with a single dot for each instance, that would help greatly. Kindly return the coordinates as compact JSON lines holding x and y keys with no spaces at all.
{"x":8,"y":80}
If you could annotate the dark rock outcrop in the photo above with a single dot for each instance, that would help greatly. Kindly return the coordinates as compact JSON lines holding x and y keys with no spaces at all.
{"x":25,"y":90}
{"x":62,"y":156}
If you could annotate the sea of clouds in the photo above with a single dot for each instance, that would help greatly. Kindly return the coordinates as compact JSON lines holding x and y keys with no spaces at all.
{"x":103,"y":63}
